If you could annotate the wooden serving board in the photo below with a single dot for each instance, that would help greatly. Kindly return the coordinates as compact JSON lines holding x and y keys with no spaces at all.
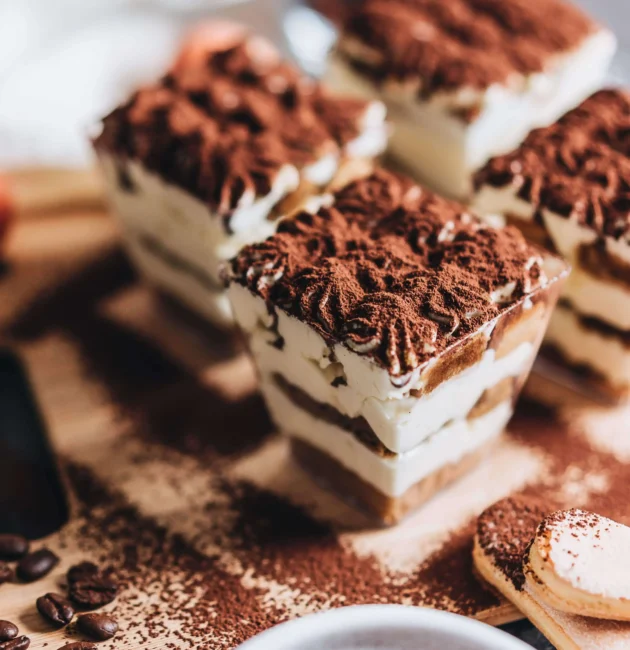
{"x":178,"y":482}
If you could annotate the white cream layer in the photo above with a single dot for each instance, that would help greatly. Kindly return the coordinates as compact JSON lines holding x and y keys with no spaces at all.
{"x":444,"y":151}
{"x":212,"y":304}
{"x":399,"y":420}
{"x":391,"y":476}
{"x":189,"y":230}
{"x":183,"y":224}
{"x":606,"y":300}
{"x":605,"y":354}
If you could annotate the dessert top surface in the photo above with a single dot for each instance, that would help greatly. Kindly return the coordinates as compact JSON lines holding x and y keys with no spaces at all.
{"x":587,"y":551}
{"x":504,"y":532}
{"x":578,"y":167}
{"x":460,"y":43}
{"x":227,"y":118}
{"x":391,"y":270}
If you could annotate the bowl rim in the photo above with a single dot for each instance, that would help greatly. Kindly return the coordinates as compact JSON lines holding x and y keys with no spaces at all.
{"x":366,"y":617}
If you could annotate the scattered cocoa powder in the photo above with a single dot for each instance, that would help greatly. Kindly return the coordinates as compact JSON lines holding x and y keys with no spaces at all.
{"x":505,"y":530}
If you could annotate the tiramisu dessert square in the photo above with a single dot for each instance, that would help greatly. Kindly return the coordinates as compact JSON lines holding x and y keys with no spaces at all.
{"x":392,"y":331}
{"x":465,"y":80}
{"x":569,"y":185}
{"x":207,"y":159}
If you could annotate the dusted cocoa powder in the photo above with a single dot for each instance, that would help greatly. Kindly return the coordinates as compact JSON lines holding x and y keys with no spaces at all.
{"x":391,"y":271}
{"x":445,"y":46}
{"x":223,"y":125}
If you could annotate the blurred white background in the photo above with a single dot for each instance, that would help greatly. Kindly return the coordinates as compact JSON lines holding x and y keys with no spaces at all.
{"x":64,"y":63}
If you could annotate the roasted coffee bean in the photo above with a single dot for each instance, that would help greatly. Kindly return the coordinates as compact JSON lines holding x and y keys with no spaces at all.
{"x":81,"y":571}
{"x":77,"y":645}
{"x":93,"y":592}
{"x":21,"y":643}
{"x":99,"y":627}
{"x":36,"y":565}
{"x":8,"y":630}
{"x":6,"y":573}
{"x":13,"y":547}
{"x":55,"y":609}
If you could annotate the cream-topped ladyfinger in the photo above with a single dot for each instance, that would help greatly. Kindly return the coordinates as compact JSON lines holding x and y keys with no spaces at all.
{"x":579,"y":563}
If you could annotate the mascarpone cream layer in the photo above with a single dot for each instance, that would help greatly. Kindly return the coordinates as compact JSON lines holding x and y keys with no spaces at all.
{"x":400,"y":421}
{"x":395,"y":475}
{"x":209,"y":302}
{"x":606,"y":354}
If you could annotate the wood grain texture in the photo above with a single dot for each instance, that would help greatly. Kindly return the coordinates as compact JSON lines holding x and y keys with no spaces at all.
{"x":158,"y":416}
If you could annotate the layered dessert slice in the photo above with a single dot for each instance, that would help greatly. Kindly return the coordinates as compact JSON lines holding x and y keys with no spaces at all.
{"x":569,"y":185}
{"x":465,"y":80}
{"x":392,"y":331}
{"x":207,"y":159}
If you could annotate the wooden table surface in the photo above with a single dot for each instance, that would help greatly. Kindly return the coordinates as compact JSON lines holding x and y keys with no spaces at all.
{"x":176,"y":479}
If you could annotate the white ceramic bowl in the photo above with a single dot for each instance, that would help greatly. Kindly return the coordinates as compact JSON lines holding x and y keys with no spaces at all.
{"x":384,"y":627}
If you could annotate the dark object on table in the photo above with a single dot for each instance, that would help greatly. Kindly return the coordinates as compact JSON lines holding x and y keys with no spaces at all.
{"x":525,"y":631}
{"x":39,"y":508}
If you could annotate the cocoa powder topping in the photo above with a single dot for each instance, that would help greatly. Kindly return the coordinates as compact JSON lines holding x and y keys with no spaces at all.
{"x":391,"y":271}
{"x":439,"y":45}
{"x":505,"y":530}
{"x":222,"y":125}
{"x":578,"y":167}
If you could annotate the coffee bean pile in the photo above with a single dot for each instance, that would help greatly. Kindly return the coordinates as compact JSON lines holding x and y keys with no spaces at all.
{"x":88,"y":588}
